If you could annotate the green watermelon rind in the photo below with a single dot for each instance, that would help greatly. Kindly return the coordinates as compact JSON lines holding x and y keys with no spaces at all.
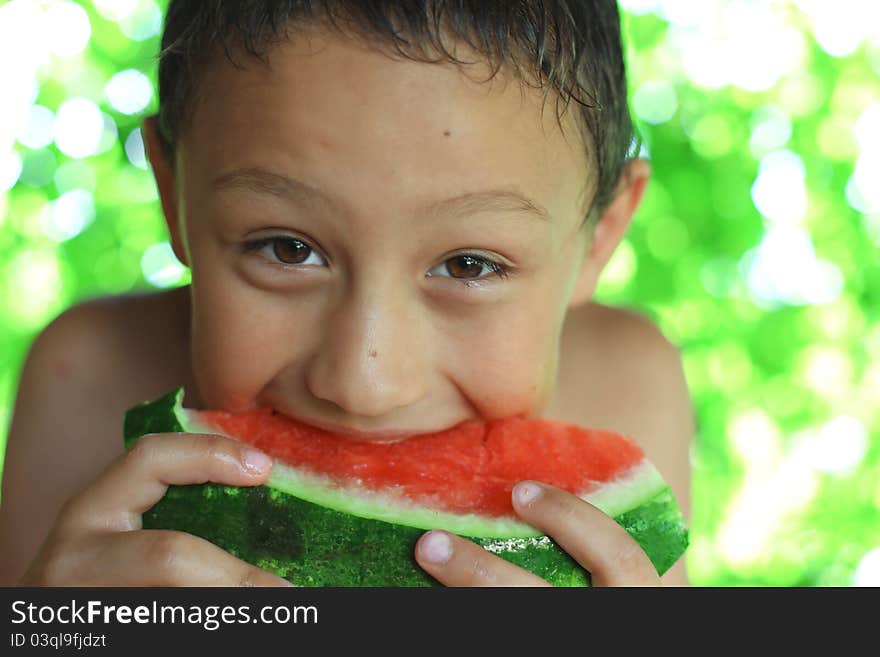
{"x":276,"y":527}
{"x":640,"y":484}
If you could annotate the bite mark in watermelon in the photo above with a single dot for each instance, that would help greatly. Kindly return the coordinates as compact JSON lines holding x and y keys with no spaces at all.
{"x":337,"y":512}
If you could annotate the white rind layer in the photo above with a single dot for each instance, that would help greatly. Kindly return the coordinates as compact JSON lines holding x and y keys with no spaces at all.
{"x":635,"y":487}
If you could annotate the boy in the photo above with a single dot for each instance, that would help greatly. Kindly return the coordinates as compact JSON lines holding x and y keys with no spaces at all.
{"x":388,"y":235}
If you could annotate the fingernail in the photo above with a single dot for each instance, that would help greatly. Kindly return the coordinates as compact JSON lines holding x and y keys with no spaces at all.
{"x":526,"y":492}
{"x":255,"y":462}
{"x":436,"y":547}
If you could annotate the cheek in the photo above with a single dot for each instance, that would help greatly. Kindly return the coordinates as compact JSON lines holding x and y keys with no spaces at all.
{"x":240,"y":342}
{"x":517,"y":362}
{"x":511,"y":369}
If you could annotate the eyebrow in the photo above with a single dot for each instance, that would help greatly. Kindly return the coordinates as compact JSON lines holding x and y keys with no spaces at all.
{"x":262,"y":181}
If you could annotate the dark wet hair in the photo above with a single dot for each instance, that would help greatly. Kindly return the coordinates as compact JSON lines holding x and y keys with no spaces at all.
{"x":568,"y":48}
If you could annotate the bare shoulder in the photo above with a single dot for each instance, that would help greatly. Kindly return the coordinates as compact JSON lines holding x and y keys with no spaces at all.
{"x":623,"y":360}
{"x":103,"y":347}
{"x":80,"y":375}
{"x":619,"y":371}
{"x":627,"y":333}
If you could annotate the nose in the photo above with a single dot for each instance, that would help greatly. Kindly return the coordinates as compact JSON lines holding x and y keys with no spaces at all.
{"x":373,"y":358}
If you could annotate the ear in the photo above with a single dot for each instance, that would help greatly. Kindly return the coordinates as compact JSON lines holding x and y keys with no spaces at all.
{"x":611,"y":227}
{"x":165,"y":182}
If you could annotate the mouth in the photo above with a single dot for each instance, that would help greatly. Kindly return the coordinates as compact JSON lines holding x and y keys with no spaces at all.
{"x":390,"y":435}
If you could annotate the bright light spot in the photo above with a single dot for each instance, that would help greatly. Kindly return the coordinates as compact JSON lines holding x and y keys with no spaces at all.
{"x":78,"y":128}
{"x":738,"y":542}
{"x":771,"y":130}
{"x":801,"y":93}
{"x":862,"y":189}
{"x":23,"y":50}
{"x":767,"y":49}
{"x":10,"y":170}
{"x":116,"y":10}
{"x":784,"y":269}
{"x":764,"y":500}
{"x":744,"y":44}
{"x":755,"y":437}
{"x":779,"y":192}
{"x":869,"y":386}
{"x":842,"y":320}
{"x":68,"y":215}
{"x":134,"y":149}
{"x":705,"y":62}
{"x":68,"y":28}
{"x":871,"y":342}
{"x":37,"y":129}
{"x":620,"y":269}
{"x":867,"y":128}
{"x":639,"y":7}
{"x":161,"y":267}
{"x":137,"y":19}
{"x":129,"y":91}
{"x":841,"y":26}
{"x":839,"y":446}
{"x":868,"y":571}
{"x":144,"y":22}
{"x":33,"y":287}
{"x":655,"y":101}
{"x":827,"y":370}
{"x":873,"y":55}
{"x":691,"y":13}
{"x":839,"y":29}
{"x":826,"y":281}
{"x":836,"y":37}
{"x":774,"y":487}
{"x":19,"y":93}
{"x":836,"y":139}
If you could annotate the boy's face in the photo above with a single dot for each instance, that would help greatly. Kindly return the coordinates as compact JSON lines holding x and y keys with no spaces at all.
{"x":327,"y":206}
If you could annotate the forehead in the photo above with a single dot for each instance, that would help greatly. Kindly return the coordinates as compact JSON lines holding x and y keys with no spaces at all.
{"x":361,"y":125}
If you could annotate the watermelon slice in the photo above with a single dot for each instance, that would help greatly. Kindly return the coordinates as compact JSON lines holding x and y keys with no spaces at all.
{"x":337,"y":512}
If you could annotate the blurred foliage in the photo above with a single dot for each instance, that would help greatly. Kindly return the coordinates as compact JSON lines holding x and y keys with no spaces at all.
{"x":756,"y":248}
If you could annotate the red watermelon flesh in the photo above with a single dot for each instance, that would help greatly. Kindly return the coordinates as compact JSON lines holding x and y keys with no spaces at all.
{"x":469,"y":468}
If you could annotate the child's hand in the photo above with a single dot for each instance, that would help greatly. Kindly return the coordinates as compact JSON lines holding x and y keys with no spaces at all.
{"x":97,"y":539}
{"x":592,"y":538}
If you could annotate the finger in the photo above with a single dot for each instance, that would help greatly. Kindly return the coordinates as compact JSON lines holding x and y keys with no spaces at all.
{"x":455,"y":561}
{"x":139,"y":478}
{"x":155,"y":558}
{"x":591,"y":537}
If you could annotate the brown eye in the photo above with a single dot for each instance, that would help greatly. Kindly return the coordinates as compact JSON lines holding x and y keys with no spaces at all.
{"x":469,"y":268}
{"x":285,"y":250}
{"x":465,"y":267}
{"x":291,"y":252}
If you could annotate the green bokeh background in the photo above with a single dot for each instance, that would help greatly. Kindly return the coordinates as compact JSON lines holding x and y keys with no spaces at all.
{"x":756,"y":248}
